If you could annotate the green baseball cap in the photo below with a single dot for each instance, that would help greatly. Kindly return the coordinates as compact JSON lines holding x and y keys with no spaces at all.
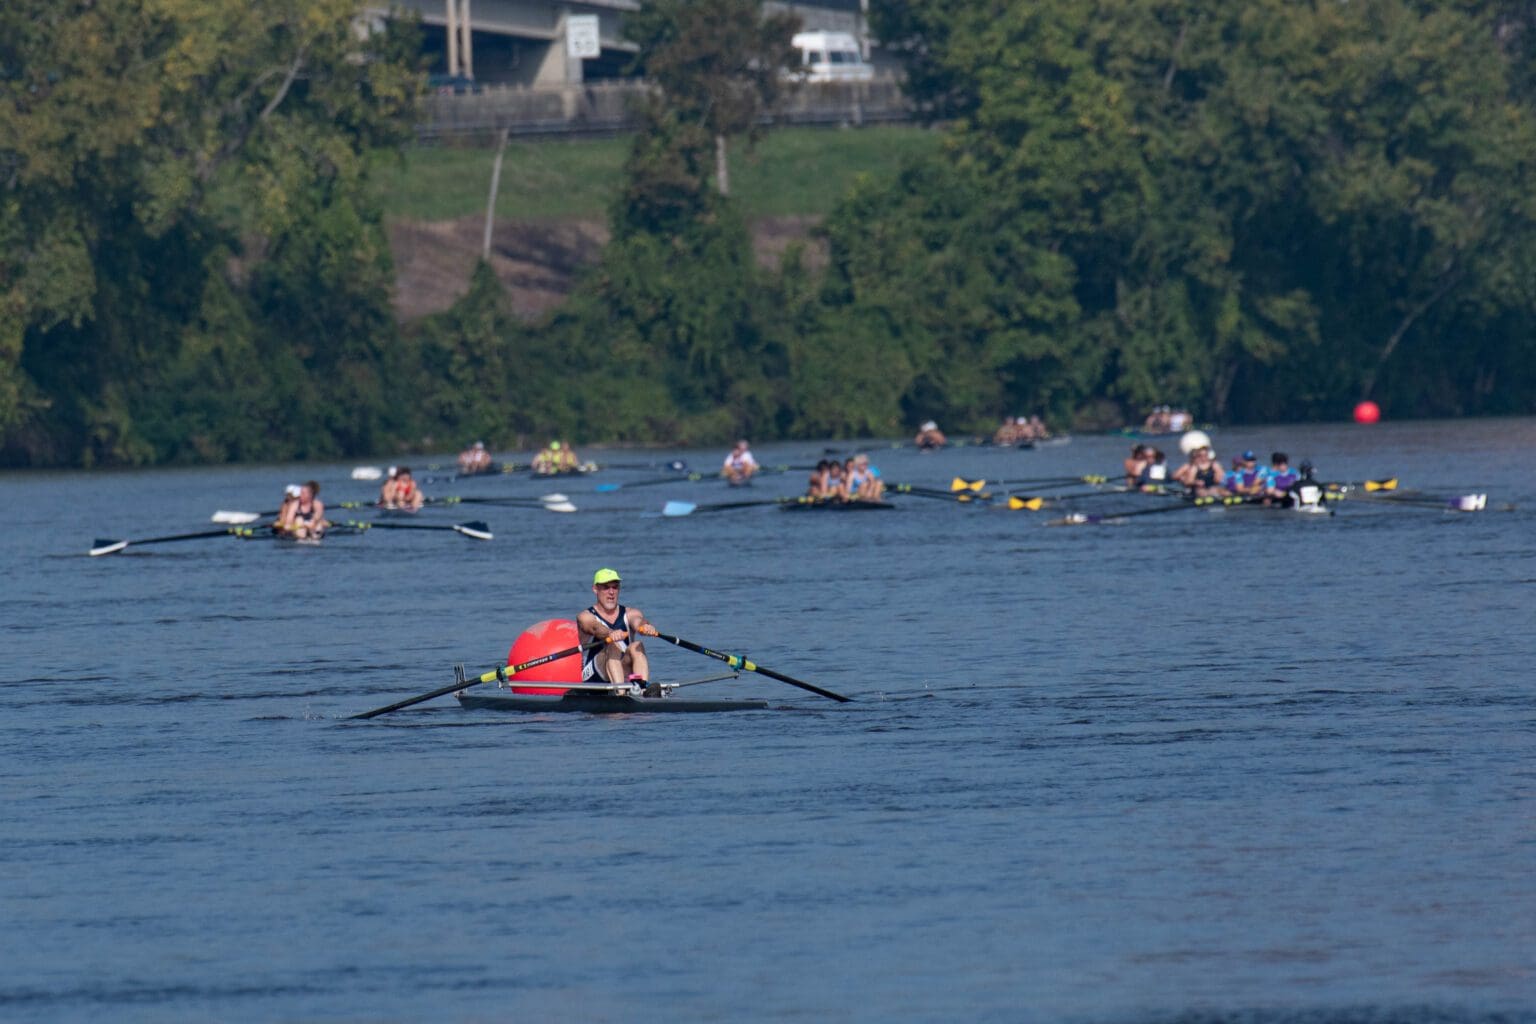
{"x":604,"y":576}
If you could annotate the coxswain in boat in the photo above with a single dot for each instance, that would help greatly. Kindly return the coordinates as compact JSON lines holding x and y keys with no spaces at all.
{"x":1306,"y":490}
{"x":1201,"y":475}
{"x":406,"y":495}
{"x":474,"y":460}
{"x":622,"y":658}
{"x":739,"y":465}
{"x":930,"y":437}
{"x":306,"y":516}
{"x":554,"y":459}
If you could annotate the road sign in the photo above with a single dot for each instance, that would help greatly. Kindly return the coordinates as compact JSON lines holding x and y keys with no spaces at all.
{"x":581,"y":36}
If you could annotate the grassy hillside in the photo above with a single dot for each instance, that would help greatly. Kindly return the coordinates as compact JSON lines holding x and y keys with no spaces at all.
{"x":792,"y":171}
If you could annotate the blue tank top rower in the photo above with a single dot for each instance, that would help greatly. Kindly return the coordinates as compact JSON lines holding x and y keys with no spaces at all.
{"x":621,"y":658}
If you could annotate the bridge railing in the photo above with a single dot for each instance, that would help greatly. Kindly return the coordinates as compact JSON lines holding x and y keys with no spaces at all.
{"x":607,"y":108}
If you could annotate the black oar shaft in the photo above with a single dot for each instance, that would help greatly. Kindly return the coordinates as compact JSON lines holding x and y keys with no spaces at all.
{"x":502,"y":673}
{"x":725,"y":505}
{"x":182,"y":536}
{"x":107,"y":547}
{"x":476,"y":530}
{"x":736,"y":661}
{"x":450,"y":688}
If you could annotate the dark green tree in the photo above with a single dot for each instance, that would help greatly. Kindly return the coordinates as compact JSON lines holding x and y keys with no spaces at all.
{"x":719,"y":65}
{"x":142,"y":150}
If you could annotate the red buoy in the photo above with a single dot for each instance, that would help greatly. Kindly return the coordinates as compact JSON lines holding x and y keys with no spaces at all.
{"x":536,"y":641}
{"x":1367,"y":412}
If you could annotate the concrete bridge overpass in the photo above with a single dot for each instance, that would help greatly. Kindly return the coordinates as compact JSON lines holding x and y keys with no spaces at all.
{"x":523,"y":42}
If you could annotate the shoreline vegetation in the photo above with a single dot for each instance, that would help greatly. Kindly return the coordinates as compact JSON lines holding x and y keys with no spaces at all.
{"x":1257,"y":212}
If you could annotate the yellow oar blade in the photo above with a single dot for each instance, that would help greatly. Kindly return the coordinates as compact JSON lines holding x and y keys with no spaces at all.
{"x":957,"y":484}
{"x":1032,"y":504}
{"x":1381,"y":485}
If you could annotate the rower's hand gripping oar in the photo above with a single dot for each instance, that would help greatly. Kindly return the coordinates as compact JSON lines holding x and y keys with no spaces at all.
{"x":738,"y":662}
{"x":501,"y":672}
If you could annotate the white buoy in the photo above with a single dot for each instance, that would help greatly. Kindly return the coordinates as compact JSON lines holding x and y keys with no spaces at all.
{"x":1192,"y":440}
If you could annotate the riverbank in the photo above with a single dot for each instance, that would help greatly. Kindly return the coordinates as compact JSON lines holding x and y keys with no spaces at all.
{"x":551,"y":209}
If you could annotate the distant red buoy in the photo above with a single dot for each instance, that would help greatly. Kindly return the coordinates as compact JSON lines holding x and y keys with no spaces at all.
{"x":540,"y":639}
{"x":1367,"y":412}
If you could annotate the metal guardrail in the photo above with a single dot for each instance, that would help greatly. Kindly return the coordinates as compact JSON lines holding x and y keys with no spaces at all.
{"x":607,"y":108}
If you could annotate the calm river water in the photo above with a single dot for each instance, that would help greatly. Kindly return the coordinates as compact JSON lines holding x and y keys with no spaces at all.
{"x":1202,"y":766}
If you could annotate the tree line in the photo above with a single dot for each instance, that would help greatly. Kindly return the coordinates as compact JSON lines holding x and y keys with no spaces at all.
{"x":1261,"y":211}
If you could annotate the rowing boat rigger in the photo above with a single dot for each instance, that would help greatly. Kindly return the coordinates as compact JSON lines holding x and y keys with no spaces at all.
{"x":601,"y":698}
{"x":601,"y":701}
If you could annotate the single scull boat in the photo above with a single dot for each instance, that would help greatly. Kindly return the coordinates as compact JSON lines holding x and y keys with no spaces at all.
{"x":608,"y":701}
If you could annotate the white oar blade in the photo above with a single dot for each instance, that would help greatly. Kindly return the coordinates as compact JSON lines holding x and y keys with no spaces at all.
{"x":367,"y":473}
{"x":678,"y":508}
{"x":1470,"y":503}
{"x":475,"y":531}
{"x":559,"y":506}
{"x":235,"y":518}
{"x":107,"y":547}
{"x":553,"y":498}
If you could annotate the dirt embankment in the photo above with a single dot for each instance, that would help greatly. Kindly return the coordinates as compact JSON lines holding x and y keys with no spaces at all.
{"x":538,"y":261}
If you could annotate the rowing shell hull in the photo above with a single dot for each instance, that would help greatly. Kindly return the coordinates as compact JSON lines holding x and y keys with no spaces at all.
{"x":602,"y":703}
{"x":857,"y":505}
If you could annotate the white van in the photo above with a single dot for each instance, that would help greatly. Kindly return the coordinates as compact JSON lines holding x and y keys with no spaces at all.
{"x":830,"y":57}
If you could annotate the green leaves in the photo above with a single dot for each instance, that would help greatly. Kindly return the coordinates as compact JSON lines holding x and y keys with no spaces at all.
{"x":139,"y":142}
{"x":1226,"y":185}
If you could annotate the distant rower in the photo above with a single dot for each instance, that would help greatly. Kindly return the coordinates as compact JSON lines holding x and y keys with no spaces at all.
{"x":739,"y":465}
{"x":930,"y":437}
{"x":306,"y":516}
{"x":474,"y":460}
{"x":557,"y":458}
{"x":405,"y":494}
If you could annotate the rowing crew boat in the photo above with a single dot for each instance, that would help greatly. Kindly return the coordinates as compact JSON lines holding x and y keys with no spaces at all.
{"x":808,"y":504}
{"x":604,"y":699}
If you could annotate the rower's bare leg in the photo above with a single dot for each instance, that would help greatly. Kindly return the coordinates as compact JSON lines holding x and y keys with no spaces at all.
{"x":639,"y":664}
{"x":610,"y":664}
